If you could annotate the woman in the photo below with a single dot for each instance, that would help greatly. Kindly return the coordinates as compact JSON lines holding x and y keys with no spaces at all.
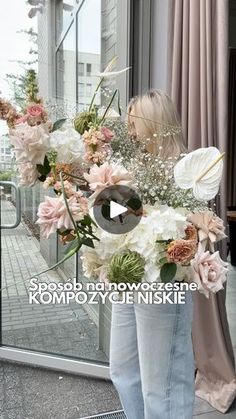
{"x":151,"y":353}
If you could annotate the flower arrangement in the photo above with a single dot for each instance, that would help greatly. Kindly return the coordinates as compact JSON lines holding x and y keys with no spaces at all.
{"x":176,"y":235}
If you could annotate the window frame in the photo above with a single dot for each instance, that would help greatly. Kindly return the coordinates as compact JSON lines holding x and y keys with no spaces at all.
{"x":134,"y":25}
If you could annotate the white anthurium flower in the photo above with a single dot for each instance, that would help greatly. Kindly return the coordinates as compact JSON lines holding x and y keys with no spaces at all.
{"x":107,"y":73}
{"x":110,"y":74}
{"x":200,"y":170}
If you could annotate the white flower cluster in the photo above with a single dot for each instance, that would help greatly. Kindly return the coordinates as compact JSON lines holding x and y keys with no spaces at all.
{"x":68,"y":144}
{"x":158,"y":223}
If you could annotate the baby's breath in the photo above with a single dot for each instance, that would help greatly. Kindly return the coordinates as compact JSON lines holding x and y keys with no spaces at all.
{"x":153,"y":175}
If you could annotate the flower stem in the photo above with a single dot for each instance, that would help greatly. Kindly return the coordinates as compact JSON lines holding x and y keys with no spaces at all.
{"x":95,"y":93}
{"x":109,"y":105}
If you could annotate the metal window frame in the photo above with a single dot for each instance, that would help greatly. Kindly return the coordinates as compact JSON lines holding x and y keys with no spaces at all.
{"x":54,"y":362}
{"x":140,"y":45}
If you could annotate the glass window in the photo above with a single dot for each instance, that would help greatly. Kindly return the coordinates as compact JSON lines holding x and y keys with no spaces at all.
{"x":81,"y":69}
{"x":66,"y":68}
{"x":88,"y":89}
{"x":64,"y":15}
{"x":89,"y":69}
{"x":97,"y":44}
{"x":81,"y":89}
{"x":89,"y":47}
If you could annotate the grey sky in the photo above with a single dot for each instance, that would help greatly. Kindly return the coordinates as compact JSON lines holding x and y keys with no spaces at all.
{"x":13,"y":46}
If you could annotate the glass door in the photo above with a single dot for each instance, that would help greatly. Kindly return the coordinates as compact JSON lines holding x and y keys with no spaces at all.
{"x":66,"y":45}
{"x":61,"y":332}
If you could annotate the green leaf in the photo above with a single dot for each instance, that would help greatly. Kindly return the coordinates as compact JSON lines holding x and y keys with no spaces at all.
{"x":88,"y":242}
{"x":63,"y":233}
{"x":72,"y":246}
{"x":163,"y":261}
{"x":44,"y":168}
{"x":58,"y":124}
{"x":87,"y":221}
{"x":42,"y":178}
{"x":168,"y":272}
{"x":118,"y":103}
{"x":109,"y":105}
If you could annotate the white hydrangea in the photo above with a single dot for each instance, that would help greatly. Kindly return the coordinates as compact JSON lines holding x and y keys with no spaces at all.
{"x":68,"y":144}
{"x":158,"y":223}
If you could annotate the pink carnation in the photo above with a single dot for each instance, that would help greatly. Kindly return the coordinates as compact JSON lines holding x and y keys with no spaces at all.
{"x":100,"y":177}
{"x":209,"y":271}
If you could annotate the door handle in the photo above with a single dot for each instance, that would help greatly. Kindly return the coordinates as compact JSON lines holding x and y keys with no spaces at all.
{"x":18,"y":204}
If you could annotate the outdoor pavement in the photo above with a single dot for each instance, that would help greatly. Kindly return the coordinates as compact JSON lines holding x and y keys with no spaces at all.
{"x":34,"y":393}
{"x":56,"y":328}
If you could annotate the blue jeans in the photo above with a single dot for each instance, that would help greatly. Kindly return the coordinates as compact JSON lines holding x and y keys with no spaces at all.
{"x":151,"y":359}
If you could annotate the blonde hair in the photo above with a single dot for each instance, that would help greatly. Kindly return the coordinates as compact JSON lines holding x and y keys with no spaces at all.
{"x":151,"y":115}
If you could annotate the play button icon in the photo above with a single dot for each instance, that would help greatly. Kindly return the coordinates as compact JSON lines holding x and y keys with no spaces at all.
{"x":117,"y":209}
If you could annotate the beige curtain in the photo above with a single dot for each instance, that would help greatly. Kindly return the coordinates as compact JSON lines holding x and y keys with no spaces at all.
{"x":198,"y":84}
{"x":231,"y":175}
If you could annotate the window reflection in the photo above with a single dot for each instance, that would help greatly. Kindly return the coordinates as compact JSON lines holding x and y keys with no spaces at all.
{"x":96,"y":40}
{"x":66,"y":64}
{"x":64,"y":13}
{"x":89,"y":49}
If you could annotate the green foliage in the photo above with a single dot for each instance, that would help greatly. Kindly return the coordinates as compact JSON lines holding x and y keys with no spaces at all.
{"x":44,"y":168}
{"x":126,"y":267}
{"x":82,"y":121}
{"x":58,"y":124}
{"x":5,"y":176}
{"x":168,"y":272}
{"x":25,"y":88}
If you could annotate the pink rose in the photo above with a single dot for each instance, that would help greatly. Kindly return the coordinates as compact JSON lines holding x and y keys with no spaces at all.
{"x":30,"y":143}
{"x":181,"y":251}
{"x":28,"y":174}
{"x":68,"y":187}
{"x":108,"y":134}
{"x":35,"y":114}
{"x":52,"y":213}
{"x":100,"y":177}
{"x":210,"y":228}
{"x":35,"y":110}
{"x":209,"y":271}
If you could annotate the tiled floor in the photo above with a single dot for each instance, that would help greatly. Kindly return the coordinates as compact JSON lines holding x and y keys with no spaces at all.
{"x":55,"y":328}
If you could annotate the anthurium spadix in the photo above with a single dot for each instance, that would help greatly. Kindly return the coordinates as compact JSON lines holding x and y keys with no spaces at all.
{"x":201,"y":170}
